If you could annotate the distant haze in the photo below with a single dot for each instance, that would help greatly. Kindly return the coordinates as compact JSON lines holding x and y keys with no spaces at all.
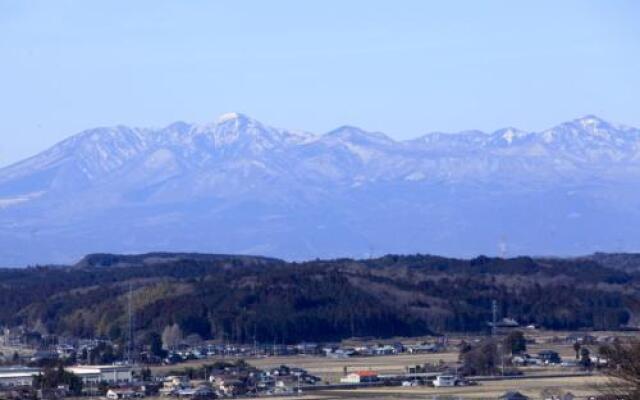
{"x":236,"y":185}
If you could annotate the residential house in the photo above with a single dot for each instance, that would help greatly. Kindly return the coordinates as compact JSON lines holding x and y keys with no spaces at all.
{"x":549,"y":357}
{"x":65,"y":350}
{"x":44,"y":355}
{"x":445,"y":381}
{"x":524,"y":359}
{"x":230,"y":385}
{"x":423,"y":348}
{"x":360,"y":377}
{"x":384,"y":350}
{"x":581,"y":338}
{"x":174,"y":383}
{"x":124,"y":393}
{"x":200,"y":392}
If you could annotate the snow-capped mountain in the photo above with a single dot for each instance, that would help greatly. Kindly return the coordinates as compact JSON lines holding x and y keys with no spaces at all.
{"x":237,"y":185}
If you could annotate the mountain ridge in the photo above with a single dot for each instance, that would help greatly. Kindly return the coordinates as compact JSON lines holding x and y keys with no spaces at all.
{"x":248,"y":298}
{"x":237,"y":185}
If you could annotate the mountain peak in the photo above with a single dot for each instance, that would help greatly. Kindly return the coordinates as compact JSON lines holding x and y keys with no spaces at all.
{"x":509,"y":134}
{"x":591,"y":123}
{"x":353,"y":133}
{"x":231,"y":116}
{"x":590,"y":119}
{"x":180,"y":127}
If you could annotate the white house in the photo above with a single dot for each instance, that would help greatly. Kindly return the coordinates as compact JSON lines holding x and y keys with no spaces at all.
{"x":360,"y":377}
{"x":119,"y":394}
{"x":422,"y":348}
{"x":445,"y":381}
{"x":174,"y":383}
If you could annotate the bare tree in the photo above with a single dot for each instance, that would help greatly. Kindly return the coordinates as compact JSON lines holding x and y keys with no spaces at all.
{"x":193,"y":340}
{"x":623,"y":360}
{"x":40,"y":328}
{"x":480,"y":359}
{"x":515,"y":343}
{"x":171,"y":336}
{"x":576,"y":348}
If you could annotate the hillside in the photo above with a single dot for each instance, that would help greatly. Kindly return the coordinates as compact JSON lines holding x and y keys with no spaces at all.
{"x":238,"y":186}
{"x":245,"y":298}
{"x":629,"y":262}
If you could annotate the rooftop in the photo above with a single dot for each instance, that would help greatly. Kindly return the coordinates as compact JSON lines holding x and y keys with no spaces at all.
{"x":366,"y":373}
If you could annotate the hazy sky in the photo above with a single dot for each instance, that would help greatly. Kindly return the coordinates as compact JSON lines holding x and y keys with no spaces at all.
{"x":401,"y":67}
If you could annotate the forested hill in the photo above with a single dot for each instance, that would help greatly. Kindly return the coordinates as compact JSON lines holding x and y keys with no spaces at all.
{"x":629,"y":262}
{"x":242,"y":297}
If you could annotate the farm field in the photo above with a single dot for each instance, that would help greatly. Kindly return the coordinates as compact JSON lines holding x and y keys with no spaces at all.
{"x":581,"y":387}
{"x":331,"y":369}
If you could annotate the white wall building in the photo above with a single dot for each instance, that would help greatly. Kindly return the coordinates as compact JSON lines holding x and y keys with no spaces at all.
{"x":445,"y":381}
{"x":17,"y":376}
{"x":360,"y":377}
{"x":103,"y":373}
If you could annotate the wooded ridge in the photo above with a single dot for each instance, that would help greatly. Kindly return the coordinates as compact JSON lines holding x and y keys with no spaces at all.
{"x":246,"y":298}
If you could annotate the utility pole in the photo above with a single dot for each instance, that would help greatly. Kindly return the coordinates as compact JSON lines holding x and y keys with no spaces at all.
{"x":131,"y":346}
{"x":494,"y":324}
{"x":255,"y":342}
{"x":494,"y":333}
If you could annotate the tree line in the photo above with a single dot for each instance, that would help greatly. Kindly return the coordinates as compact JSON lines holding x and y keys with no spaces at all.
{"x":272,"y":301}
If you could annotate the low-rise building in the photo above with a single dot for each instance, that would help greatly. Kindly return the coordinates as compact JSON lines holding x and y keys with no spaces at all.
{"x":229,"y":385}
{"x":17,"y":376}
{"x":124,"y":393}
{"x":200,"y":392}
{"x":103,"y":373}
{"x":423,"y":348}
{"x":174,"y":383}
{"x":44,"y":355}
{"x":445,"y":381}
{"x":360,"y":377}
{"x":549,"y":357}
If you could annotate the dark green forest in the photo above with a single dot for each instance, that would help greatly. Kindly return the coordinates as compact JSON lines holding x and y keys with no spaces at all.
{"x":242,"y":298}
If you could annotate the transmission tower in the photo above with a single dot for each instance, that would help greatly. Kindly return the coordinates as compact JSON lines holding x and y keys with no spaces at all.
{"x":502,"y":247}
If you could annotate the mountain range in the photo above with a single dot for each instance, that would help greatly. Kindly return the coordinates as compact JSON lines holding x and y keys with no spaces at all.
{"x":239,"y":186}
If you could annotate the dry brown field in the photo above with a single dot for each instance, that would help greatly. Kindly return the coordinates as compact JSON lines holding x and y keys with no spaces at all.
{"x":331,"y":369}
{"x":581,"y":387}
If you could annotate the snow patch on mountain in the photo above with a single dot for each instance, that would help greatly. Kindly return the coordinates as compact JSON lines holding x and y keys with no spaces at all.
{"x":211,"y":186}
{"x":12,"y":201}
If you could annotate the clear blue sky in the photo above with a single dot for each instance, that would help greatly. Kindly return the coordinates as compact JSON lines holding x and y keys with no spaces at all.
{"x":401,"y":67}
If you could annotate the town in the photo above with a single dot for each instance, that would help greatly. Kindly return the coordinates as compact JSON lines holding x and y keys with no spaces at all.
{"x":556,"y":365}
